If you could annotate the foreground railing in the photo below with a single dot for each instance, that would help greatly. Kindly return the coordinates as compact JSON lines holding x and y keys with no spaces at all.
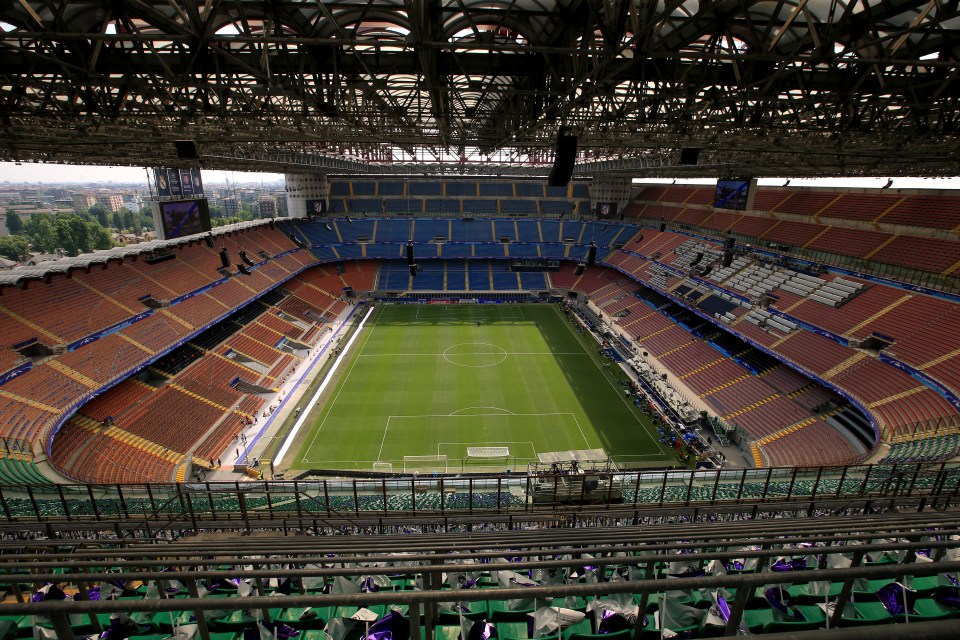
{"x":332,"y":497}
{"x":844,"y":563}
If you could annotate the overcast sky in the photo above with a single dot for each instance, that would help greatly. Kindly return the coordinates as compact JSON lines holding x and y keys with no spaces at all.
{"x":60,"y":173}
{"x":51,"y":173}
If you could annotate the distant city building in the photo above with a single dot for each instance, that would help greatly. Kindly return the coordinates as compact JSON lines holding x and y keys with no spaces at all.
{"x":83,"y":201}
{"x":230,"y":206}
{"x":266,"y":206}
{"x":110,"y":201}
{"x":281,"y":199}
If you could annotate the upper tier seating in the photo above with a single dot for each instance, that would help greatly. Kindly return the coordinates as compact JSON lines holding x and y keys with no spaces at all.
{"x":824,"y":209}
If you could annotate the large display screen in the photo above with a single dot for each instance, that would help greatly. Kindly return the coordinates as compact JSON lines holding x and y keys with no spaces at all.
{"x":184,"y":217}
{"x":732,"y":194}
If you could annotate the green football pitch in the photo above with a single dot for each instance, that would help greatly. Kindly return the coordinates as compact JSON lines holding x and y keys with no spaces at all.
{"x":435,"y":380}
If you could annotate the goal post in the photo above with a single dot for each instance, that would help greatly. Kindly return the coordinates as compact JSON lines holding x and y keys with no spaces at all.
{"x":383,"y":467}
{"x":425,"y":464}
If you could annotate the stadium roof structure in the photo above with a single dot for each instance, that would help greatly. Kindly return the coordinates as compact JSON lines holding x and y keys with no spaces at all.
{"x":771,"y":87}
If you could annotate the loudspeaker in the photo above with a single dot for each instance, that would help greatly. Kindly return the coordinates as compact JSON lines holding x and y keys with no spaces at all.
{"x":727,"y":258}
{"x":409,"y":253}
{"x":565,"y":158}
{"x":639,"y":240}
{"x":326,"y":225}
{"x":224,"y":258}
{"x":243,"y":256}
{"x":592,"y":254}
{"x":243,"y":269}
{"x":209,"y":242}
{"x":413,"y":270}
{"x":663,"y":226}
{"x":579,"y":270}
{"x":272,"y":226}
{"x":689,"y":155}
{"x":728,"y":243}
{"x":186,"y":149}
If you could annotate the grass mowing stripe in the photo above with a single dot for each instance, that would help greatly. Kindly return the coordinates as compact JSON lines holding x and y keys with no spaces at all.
{"x":655,"y":441}
{"x":328,"y":406}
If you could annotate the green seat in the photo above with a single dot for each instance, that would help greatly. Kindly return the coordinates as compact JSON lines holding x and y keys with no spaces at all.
{"x":928,"y":609}
{"x":578,"y":603}
{"x":866,"y":613}
{"x":442,"y":632}
{"x":583,"y":630}
{"x":650,"y":631}
{"x":23,"y":625}
{"x":800,"y":594}
{"x":763,"y":619}
{"x":346,"y":612}
{"x":234,"y":621}
{"x":873,"y":586}
{"x":926,"y":584}
{"x":478,"y":611}
{"x":213,"y":636}
{"x":500,"y":611}
{"x":8,"y":629}
{"x":512,"y":630}
{"x":166,"y":620}
{"x":291,"y":618}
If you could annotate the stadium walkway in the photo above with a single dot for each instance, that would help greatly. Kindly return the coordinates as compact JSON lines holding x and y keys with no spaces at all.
{"x":734,"y":456}
{"x":261,"y":435}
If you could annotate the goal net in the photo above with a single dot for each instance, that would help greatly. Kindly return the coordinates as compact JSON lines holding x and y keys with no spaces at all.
{"x":425,"y":464}
{"x":383,"y":467}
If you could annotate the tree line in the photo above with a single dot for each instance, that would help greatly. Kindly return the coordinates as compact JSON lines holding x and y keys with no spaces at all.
{"x":71,"y":233}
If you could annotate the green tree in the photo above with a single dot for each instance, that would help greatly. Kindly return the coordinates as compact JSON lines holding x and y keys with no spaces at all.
{"x":99,"y":237}
{"x":146,"y":220}
{"x":99,"y":213}
{"x":14,"y":223}
{"x":14,"y":247}
{"x":72,"y":233}
{"x":116,"y":220}
{"x":129,"y":220}
{"x":42,"y":233}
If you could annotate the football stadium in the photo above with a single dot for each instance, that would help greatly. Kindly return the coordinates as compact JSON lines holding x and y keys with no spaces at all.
{"x":554,"y":338}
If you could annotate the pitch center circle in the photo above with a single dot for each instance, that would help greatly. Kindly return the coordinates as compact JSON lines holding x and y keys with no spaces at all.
{"x":474,"y":354}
